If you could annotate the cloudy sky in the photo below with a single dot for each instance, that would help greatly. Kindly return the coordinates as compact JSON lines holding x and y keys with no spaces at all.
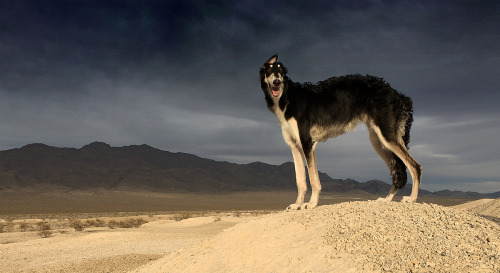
{"x":183,"y":76}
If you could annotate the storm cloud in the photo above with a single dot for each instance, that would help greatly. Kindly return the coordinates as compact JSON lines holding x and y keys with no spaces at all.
{"x":183,"y":76}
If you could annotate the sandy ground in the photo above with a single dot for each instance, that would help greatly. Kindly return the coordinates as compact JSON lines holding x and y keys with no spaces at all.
{"x":103,"y":249}
{"x":348,"y":237}
{"x":360,"y":236}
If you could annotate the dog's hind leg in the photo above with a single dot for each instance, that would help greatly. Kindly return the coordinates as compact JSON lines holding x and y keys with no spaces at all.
{"x":399,"y":149}
{"x":412,"y":165}
{"x":300,"y":176}
{"x":313,"y":178}
{"x":395,"y":165}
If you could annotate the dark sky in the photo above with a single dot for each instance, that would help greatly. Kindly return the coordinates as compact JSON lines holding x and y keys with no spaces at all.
{"x":183,"y":76}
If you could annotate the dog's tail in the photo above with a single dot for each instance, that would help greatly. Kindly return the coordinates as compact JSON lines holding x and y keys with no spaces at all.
{"x":404,"y":120}
{"x":398,"y":172}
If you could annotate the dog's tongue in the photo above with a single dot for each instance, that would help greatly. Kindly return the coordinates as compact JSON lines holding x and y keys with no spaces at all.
{"x":275,"y":91}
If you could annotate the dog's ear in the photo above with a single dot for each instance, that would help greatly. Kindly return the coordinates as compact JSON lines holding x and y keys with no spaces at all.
{"x":273,"y":59}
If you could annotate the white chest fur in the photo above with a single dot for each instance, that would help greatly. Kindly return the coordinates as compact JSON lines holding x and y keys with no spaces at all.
{"x":289,"y":129}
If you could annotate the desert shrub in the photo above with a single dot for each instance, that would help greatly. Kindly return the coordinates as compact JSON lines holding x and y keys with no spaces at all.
{"x":129,"y":223}
{"x":132,"y":223}
{"x":182,"y":216}
{"x":77,"y":225}
{"x":80,"y":225}
{"x":44,"y":229}
{"x":95,"y":223}
{"x":99,"y":223}
{"x":24,"y":226}
{"x":112,"y":224}
{"x":7,"y":226}
{"x":139,"y":222}
{"x":89,"y":223}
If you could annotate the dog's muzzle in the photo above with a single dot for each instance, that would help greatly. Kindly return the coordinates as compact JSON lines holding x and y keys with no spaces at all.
{"x":275,"y":87}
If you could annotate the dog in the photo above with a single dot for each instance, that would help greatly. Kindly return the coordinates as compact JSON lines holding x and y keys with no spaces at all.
{"x":311,"y":113}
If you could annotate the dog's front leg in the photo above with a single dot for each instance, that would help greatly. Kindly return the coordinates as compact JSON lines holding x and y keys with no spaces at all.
{"x":300,"y":177}
{"x":313,"y":179}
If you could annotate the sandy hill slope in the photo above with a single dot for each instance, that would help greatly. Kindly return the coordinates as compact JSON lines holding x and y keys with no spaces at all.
{"x":348,"y":237}
{"x":488,"y":207}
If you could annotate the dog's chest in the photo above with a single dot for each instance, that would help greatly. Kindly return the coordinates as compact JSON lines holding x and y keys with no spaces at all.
{"x":289,"y":128}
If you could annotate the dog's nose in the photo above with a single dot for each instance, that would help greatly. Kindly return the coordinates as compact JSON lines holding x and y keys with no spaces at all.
{"x":276,"y":82}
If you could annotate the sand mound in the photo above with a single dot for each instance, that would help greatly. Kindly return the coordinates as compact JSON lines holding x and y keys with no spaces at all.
{"x":348,"y":237}
{"x":488,"y":207}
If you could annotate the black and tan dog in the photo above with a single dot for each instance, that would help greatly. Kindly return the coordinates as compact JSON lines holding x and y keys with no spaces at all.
{"x":311,"y":113}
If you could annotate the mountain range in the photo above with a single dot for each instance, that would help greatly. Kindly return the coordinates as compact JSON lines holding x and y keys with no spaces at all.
{"x":142,"y":167}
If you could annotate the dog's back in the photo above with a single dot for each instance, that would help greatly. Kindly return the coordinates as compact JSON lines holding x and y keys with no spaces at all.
{"x":347,"y":99}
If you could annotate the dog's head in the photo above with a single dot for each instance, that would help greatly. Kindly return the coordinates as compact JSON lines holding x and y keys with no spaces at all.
{"x":273,"y":79}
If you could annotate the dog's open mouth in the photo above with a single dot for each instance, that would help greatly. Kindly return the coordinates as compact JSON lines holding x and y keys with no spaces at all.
{"x":275,"y":90}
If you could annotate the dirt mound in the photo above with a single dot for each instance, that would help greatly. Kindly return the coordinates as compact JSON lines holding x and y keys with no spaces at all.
{"x":488,"y":207}
{"x":348,"y":237}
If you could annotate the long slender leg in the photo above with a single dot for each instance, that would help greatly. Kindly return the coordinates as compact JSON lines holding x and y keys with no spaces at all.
{"x":300,"y":176}
{"x":415,"y":169}
{"x":387,"y":156}
{"x":412,"y":165}
{"x":313,"y":178}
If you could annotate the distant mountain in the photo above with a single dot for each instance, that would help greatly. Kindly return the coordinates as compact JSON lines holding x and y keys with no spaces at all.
{"x":98,"y":165}
{"x":136,"y":167}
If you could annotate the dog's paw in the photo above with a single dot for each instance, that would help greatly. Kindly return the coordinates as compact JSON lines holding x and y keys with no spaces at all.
{"x":308,"y":206}
{"x":294,"y":206}
{"x":408,"y":199}
{"x":383,"y":199}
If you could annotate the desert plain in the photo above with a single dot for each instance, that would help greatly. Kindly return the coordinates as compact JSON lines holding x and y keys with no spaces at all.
{"x":122,"y":231}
